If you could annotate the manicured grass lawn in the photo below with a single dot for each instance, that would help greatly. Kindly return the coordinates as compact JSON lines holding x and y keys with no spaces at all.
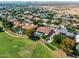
{"x":41,"y":51}
{"x":50,"y":46}
{"x":9,"y":46}
{"x":18,"y":47}
{"x":0,"y":23}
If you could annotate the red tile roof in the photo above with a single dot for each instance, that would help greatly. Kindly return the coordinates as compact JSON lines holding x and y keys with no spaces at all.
{"x":27,"y":26}
{"x":45,"y":30}
{"x":16,"y":22}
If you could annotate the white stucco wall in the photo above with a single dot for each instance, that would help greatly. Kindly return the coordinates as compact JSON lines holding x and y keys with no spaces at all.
{"x":77,"y":38}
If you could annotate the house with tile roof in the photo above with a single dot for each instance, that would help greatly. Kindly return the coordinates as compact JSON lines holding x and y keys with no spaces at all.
{"x":44,"y":31}
{"x":65,"y":32}
{"x":27,"y":26}
{"x":77,"y":42}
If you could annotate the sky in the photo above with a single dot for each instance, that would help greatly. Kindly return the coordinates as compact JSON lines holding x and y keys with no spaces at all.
{"x":39,"y":0}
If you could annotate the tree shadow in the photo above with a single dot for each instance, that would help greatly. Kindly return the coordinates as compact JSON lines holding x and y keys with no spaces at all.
{"x":1,"y":29}
{"x":34,"y":38}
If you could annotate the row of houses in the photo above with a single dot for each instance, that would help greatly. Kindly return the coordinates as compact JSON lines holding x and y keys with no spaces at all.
{"x":47,"y":31}
{"x":65,"y":32}
{"x":40,"y":31}
{"x":71,"y":35}
{"x":24,"y":25}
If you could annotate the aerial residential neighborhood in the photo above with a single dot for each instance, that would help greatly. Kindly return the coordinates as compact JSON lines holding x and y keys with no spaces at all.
{"x":39,"y":29}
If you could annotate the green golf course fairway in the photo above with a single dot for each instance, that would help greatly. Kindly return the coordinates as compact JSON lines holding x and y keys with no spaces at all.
{"x":11,"y":47}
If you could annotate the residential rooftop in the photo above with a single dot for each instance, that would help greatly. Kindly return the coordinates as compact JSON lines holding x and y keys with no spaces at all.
{"x":45,"y":30}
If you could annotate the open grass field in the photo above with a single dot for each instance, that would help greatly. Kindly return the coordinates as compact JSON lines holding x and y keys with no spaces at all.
{"x":41,"y":51}
{"x":18,"y":47}
{"x":0,"y":23}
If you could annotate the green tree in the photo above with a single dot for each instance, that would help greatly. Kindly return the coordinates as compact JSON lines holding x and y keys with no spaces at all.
{"x":38,"y":22}
{"x":0,"y":18}
{"x":29,"y":32}
{"x":68,"y":45}
{"x":58,"y":38}
{"x":7,"y":24}
{"x":71,"y":28}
